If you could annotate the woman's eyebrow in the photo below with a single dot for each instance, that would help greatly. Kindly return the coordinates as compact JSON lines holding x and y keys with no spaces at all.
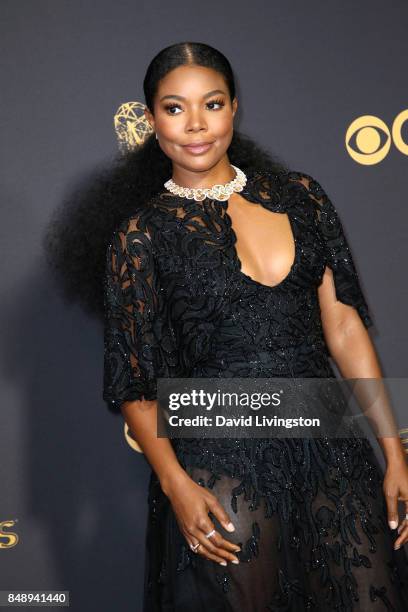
{"x":207,"y":95}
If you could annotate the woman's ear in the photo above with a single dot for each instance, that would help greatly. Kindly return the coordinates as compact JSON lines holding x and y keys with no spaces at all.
{"x":234,"y":106}
{"x":149,"y":117}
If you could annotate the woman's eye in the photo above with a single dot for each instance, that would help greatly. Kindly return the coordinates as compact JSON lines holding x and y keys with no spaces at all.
{"x":170,"y":107}
{"x":219,"y":102}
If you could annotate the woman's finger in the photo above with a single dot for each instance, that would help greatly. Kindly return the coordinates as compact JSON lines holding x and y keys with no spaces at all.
{"x":211,"y":557}
{"x":198,"y":548}
{"x":220,"y":514}
{"x":392,"y":509}
{"x":221,"y":542}
{"x":402,"y":538}
{"x":403,"y":523}
{"x":203,"y":528}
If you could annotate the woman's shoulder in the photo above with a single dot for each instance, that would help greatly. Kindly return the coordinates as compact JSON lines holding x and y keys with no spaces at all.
{"x":302,"y":184}
{"x":135,"y":227}
{"x":281,"y":177}
{"x":288,"y":175}
{"x":294,"y":185}
{"x":139,"y":216}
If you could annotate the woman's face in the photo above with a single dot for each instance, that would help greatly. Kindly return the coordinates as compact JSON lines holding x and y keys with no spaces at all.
{"x":192,"y":105}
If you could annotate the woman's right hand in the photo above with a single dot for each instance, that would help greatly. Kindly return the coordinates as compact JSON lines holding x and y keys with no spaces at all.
{"x":191,"y":504}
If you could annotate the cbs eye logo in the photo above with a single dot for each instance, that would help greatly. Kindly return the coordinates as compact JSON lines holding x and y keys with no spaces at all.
{"x":373,"y":138}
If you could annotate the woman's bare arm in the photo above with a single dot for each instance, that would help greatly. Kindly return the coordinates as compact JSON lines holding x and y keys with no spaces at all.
{"x":190,"y":501}
{"x":352,"y":349}
{"x":141,"y":418}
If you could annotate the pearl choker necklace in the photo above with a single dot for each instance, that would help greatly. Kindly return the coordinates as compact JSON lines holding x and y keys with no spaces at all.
{"x":216,"y":192}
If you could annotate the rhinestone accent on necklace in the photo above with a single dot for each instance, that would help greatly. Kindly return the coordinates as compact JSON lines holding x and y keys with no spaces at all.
{"x":216,"y":192}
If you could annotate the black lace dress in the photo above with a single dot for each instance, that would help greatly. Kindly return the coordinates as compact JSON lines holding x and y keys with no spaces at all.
{"x":309,"y":514}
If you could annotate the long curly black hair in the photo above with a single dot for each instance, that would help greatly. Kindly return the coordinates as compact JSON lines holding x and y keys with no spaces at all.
{"x":80,"y":229}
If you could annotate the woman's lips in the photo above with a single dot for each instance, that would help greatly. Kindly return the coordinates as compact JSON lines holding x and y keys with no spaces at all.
{"x":198,"y":149}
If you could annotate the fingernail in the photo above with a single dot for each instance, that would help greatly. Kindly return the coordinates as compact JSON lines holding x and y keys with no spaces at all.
{"x":237,"y":550}
{"x":397,"y":547}
{"x":230,"y":527}
{"x":393,"y":524}
{"x":235,"y":561}
{"x":223,"y":563}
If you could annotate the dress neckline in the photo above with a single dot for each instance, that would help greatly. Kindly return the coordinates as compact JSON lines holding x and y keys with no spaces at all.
{"x":262,"y":187}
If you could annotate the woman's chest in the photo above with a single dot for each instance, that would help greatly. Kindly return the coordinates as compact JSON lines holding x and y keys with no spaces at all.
{"x":208,"y":254}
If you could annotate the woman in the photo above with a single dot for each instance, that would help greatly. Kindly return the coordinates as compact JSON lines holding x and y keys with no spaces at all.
{"x":253,"y":280}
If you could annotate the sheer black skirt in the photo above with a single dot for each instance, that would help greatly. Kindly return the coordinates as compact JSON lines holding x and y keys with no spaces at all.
{"x":313,"y":533}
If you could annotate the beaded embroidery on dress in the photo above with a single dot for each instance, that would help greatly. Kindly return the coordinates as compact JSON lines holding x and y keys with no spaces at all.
{"x":309,"y":513}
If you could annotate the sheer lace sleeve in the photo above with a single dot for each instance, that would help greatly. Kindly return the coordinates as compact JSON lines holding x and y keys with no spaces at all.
{"x":337,"y":251}
{"x":132,"y":327}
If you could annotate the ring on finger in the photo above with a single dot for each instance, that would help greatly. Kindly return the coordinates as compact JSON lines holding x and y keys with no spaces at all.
{"x":194,"y":547}
{"x":211,"y":533}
